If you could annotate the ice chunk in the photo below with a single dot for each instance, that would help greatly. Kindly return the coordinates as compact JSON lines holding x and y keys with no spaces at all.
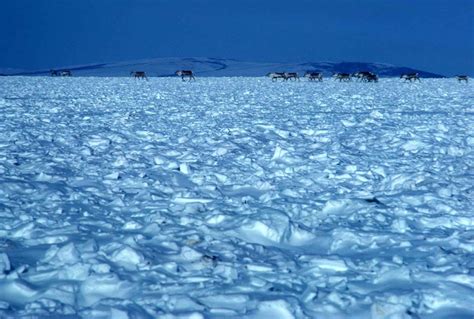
{"x":99,"y":143}
{"x":258,"y":268}
{"x":220,"y":151}
{"x":389,"y":311}
{"x":455,"y":151}
{"x":398,"y":275}
{"x":329,"y":264}
{"x":463,"y":279}
{"x":188,"y":200}
{"x":279,"y":153}
{"x":120,"y":162}
{"x":184,"y":168}
{"x":24,"y":231}
{"x":189,"y":254}
{"x":17,"y":291}
{"x":348,"y":123}
{"x":4,"y":263}
{"x":112,"y":176}
{"x":159,"y":160}
{"x":413,"y":146}
{"x":339,"y":206}
{"x":273,"y":309}
{"x":127,"y":257}
{"x":77,"y":272}
{"x":400,"y":225}
{"x":100,"y":286}
{"x":221,"y":177}
{"x":227,"y":301}
{"x":132,"y":225}
{"x":216,"y":219}
{"x":274,"y":227}
{"x":298,"y":236}
{"x":376,"y":115}
{"x":67,"y":254}
{"x":257,"y":229}
{"x":43,"y":177}
{"x":470,"y":140}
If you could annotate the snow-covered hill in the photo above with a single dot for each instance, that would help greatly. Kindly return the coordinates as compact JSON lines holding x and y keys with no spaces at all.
{"x":226,"y":67}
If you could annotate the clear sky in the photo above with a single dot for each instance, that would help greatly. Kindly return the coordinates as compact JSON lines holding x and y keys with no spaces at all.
{"x":432,"y":35}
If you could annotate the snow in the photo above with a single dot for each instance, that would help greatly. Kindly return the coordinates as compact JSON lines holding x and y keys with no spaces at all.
{"x":236,"y":198}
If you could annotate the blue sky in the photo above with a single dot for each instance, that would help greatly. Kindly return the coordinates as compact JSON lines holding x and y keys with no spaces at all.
{"x":433,"y":35}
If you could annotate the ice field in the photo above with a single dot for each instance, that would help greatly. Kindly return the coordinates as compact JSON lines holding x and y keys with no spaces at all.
{"x":236,"y":198}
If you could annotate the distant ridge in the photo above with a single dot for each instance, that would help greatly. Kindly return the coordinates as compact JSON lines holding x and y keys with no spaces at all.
{"x":164,"y":67}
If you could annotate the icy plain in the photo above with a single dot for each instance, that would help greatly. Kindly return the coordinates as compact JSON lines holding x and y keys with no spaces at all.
{"x":236,"y":198}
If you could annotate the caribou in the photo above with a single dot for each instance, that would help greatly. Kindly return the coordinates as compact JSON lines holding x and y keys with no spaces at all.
{"x":276,"y":75}
{"x":313,"y":76}
{"x":291,"y":76}
{"x":185,"y":74}
{"x":365,"y":76}
{"x":461,"y":78}
{"x":285,"y":76}
{"x":411,"y":77}
{"x":359,"y":75}
{"x":370,"y":77}
{"x":346,"y":77}
{"x":60,"y":73}
{"x":139,"y":75}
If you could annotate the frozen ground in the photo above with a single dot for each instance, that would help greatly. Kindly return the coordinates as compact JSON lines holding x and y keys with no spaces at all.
{"x":236,"y":198}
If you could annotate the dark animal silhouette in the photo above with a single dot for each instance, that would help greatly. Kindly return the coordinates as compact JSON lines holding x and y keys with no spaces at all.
{"x":276,"y":75}
{"x":461,"y":78}
{"x":313,"y":76}
{"x":60,"y":73}
{"x":411,"y":77}
{"x":373,"y":78}
{"x":139,"y":75}
{"x":291,"y":76}
{"x":285,"y":76}
{"x":185,"y":74}
{"x":365,"y":76}
{"x":370,"y":77}
{"x":359,"y":75}
{"x":346,"y":77}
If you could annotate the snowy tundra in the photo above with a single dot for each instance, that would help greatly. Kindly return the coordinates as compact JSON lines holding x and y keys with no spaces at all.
{"x":236,"y":198}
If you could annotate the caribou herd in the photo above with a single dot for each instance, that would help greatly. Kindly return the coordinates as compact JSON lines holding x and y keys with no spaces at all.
{"x":360,"y":76}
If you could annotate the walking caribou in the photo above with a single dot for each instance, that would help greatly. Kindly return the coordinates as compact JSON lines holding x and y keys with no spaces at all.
{"x":139,"y":75}
{"x":370,"y":77}
{"x":359,"y":75}
{"x":346,"y":77}
{"x":276,"y":75}
{"x":285,"y":76}
{"x":365,"y":76}
{"x":412,"y":77}
{"x":461,"y":78}
{"x":60,"y":73}
{"x":185,"y":74}
{"x":313,"y":76}
{"x":291,"y":76}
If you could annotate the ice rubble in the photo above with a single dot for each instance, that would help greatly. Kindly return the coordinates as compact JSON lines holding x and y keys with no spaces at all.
{"x":235,"y":198}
